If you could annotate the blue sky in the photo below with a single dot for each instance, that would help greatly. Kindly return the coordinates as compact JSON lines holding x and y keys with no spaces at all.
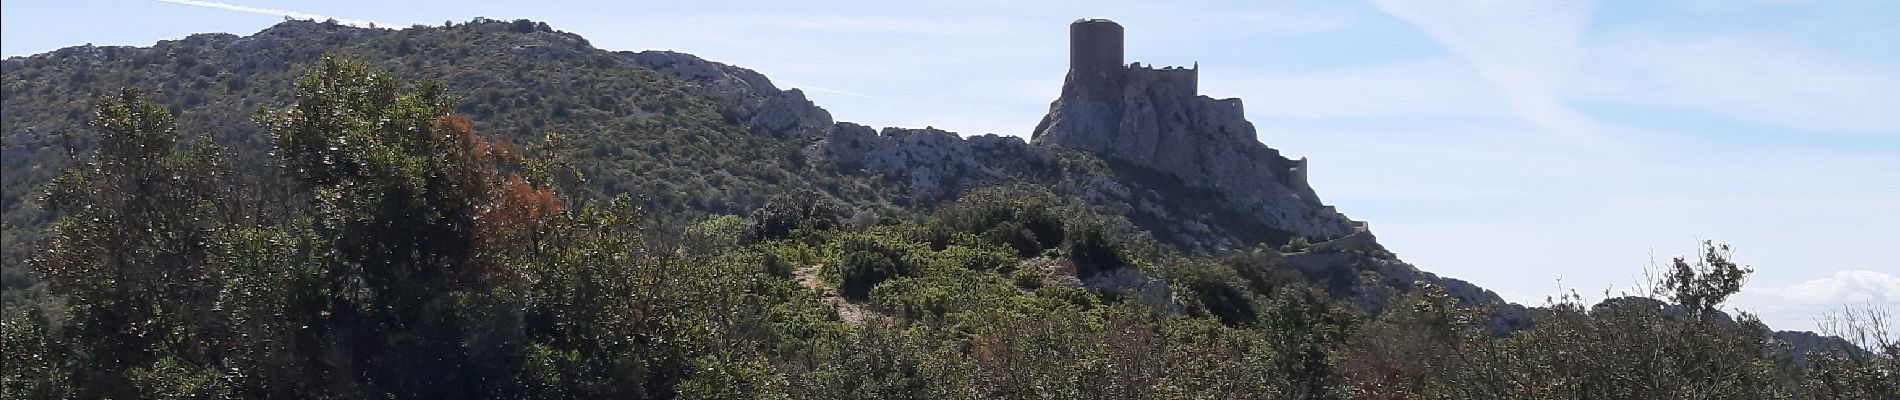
{"x":1506,"y":142}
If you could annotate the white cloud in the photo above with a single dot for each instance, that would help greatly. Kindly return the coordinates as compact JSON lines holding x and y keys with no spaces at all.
{"x":1527,"y":48}
{"x":1746,"y":79}
{"x":275,"y":12}
{"x":1842,"y":288}
{"x":1797,"y":306}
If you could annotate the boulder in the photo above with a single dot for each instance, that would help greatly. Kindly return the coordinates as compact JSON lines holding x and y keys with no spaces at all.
{"x":1143,"y":287}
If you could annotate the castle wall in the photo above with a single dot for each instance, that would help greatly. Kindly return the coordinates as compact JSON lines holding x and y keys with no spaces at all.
{"x":1299,"y":174}
{"x":1174,"y":81}
{"x":1188,"y":80}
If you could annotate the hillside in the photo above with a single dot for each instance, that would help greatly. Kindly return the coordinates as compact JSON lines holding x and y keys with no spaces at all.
{"x":638,"y":131}
{"x":691,"y":136}
{"x":499,"y":209}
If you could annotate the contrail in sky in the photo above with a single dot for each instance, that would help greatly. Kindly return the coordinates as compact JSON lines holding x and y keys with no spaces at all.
{"x":276,"y":12}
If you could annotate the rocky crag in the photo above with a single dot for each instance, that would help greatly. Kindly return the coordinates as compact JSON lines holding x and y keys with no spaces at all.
{"x":1153,"y":118}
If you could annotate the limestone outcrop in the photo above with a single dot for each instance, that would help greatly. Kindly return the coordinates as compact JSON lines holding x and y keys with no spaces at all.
{"x":1153,"y":118}
{"x":936,"y":164}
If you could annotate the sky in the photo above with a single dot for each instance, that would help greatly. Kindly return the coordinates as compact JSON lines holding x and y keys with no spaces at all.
{"x":1531,"y":147}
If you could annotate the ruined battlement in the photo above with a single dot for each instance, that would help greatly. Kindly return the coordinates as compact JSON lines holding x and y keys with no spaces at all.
{"x":1186,"y":79}
{"x":1096,"y":61}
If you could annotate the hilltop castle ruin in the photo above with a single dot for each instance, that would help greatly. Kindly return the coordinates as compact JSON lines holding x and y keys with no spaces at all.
{"x":1156,"y":118}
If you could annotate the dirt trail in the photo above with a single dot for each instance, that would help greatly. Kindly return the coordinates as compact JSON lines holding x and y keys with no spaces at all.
{"x":851,"y":312}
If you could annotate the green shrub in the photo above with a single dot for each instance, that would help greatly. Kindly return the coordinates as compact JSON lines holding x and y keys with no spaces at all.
{"x":786,"y":213}
{"x":1296,"y":245}
{"x":987,"y":258}
{"x":33,"y":368}
{"x":1029,"y":279}
{"x":1263,"y":270}
{"x":1215,"y":291}
{"x":732,"y":376}
{"x":1027,"y":219}
{"x":942,"y":294}
{"x":1093,"y":253}
{"x":720,"y":233}
{"x":865,"y":262}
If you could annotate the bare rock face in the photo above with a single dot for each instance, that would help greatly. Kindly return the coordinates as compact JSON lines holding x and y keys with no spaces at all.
{"x":1145,"y":288}
{"x":1153,"y":119}
{"x":790,"y":114}
{"x":750,"y":97}
{"x":936,"y":164}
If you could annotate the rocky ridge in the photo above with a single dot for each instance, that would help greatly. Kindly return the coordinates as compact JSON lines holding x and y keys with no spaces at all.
{"x":935,"y":164}
{"x":750,"y":98}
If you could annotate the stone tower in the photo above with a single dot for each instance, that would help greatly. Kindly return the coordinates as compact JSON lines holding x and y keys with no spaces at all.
{"x":1095,"y":53}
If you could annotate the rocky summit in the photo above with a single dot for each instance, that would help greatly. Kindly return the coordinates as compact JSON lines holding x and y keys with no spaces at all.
{"x":1155,"y":119}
